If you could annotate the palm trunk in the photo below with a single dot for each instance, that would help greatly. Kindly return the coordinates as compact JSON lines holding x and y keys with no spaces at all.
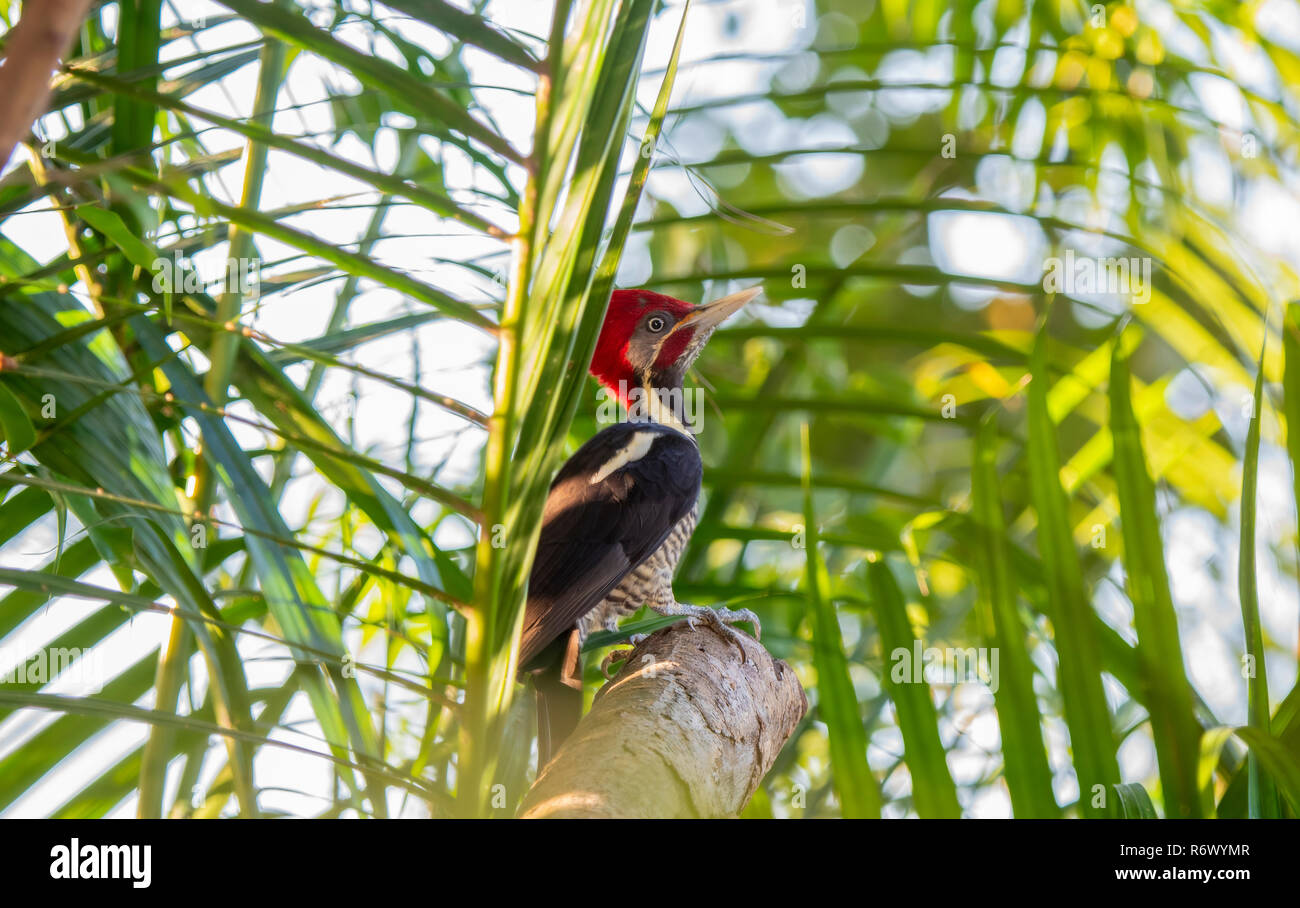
{"x":686,"y":729}
{"x":32,"y":53}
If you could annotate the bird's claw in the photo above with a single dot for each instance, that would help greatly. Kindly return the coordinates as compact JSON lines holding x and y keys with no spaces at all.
{"x":721,"y":619}
{"x":619,"y":655}
{"x":612,"y":657}
{"x":739,"y":616}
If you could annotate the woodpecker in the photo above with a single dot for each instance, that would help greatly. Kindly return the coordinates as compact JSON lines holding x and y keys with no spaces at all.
{"x":621,"y":510}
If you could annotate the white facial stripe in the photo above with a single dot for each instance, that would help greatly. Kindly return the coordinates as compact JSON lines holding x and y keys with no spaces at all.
{"x":660,"y":413}
{"x":636,"y":448}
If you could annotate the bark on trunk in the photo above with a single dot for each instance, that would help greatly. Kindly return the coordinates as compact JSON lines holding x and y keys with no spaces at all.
{"x":686,"y":729}
{"x":32,"y":52}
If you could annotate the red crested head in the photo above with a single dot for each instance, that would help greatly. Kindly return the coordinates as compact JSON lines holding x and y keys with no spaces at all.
{"x":650,"y":340}
{"x":612,"y":362}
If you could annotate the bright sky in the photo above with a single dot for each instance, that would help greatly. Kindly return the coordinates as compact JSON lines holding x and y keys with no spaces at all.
{"x":452,"y":359}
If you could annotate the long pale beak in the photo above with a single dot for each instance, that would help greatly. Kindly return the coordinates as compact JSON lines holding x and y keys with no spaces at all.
{"x":710,"y":315}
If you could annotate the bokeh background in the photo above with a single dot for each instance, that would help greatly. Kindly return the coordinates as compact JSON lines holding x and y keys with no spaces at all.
{"x":898,"y":177}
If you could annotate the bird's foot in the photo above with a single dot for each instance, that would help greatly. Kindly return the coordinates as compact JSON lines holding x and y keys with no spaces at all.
{"x":719,"y":618}
{"x":615,"y":656}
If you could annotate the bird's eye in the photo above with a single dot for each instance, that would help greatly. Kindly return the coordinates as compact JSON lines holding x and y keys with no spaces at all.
{"x":655,"y":324}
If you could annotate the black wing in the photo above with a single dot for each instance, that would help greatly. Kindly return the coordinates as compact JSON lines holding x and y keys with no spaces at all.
{"x":594,"y":533}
